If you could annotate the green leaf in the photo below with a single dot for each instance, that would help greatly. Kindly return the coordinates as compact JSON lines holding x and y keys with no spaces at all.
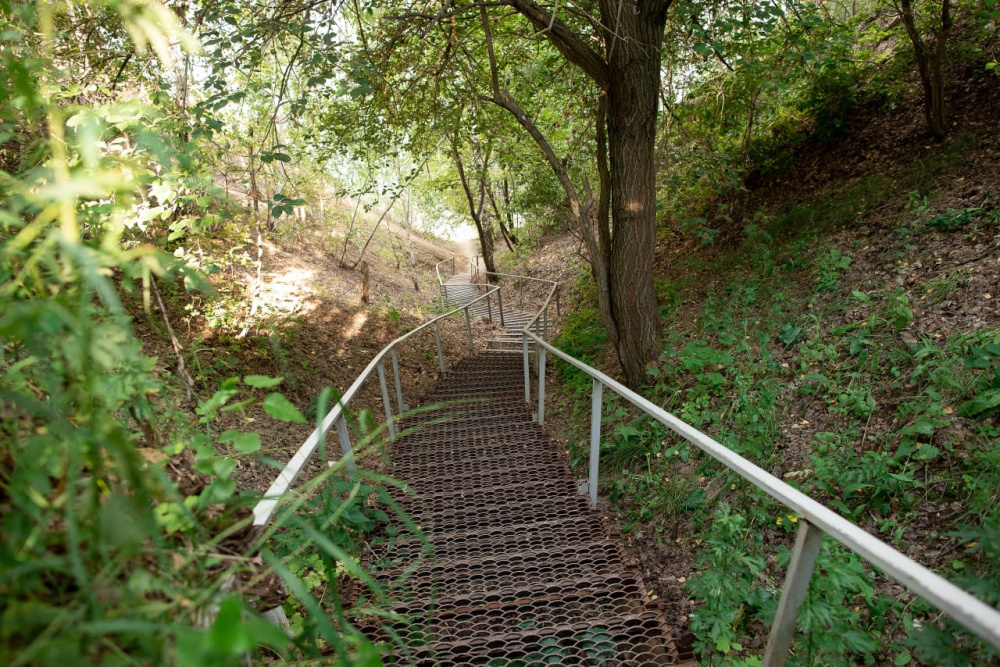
{"x":281,"y":408}
{"x":903,"y":658}
{"x":281,"y":157}
{"x":984,"y":403}
{"x":262,"y":381}
{"x":218,"y":399}
{"x":224,"y":467}
{"x":243,"y":442}
{"x":228,"y":634}
{"x":789,"y":334}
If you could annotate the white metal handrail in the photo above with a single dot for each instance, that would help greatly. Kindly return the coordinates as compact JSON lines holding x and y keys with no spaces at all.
{"x":264,"y":509}
{"x":817,"y":519}
{"x":437,"y":268}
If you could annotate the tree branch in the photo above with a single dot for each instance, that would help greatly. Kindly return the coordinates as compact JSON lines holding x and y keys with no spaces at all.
{"x":570,"y":44}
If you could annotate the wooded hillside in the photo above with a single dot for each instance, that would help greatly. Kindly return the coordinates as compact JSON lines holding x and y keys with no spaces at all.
{"x":778,"y":220}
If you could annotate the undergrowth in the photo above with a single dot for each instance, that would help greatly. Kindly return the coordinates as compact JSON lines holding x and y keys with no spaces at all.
{"x":908,"y":426}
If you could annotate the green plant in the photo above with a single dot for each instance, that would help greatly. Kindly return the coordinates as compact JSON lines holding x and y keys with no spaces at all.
{"x":726,"y":582}
{"x":952,"y":219}
{"x":829,"y":268}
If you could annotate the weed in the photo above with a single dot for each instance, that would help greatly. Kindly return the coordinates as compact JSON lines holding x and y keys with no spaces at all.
{"x":829,"y":268}
{"x":726,"y":583}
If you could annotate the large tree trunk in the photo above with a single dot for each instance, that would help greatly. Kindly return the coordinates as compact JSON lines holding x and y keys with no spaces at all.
{"x":629,"y":75}
{"x":635,"y":41}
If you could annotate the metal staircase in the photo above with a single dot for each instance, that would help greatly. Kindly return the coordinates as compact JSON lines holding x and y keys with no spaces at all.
{"x":522,"y":570}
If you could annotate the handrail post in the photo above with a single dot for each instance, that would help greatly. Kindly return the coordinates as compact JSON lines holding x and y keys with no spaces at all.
{"x":399,"y":388}
{"x":489,"y":307}
{"x":385,"y":402}
{"x":541,"y":385}
{"x":527,"y":373}
{"x":437,"y":340}
{"x":545,"y":320}
{"x":596,"y":397}
{"x":800,"y":569}
{"x":500,"y":307}
{"x":538,"y":335}
{"x":468,"y":326}
{"x":345,"y":443}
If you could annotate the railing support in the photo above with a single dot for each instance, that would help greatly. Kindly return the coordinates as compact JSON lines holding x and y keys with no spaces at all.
{"x":468,"y":327}
{"x":538,"y":333}
{"x":500,"y":308}
{"x":545,"y":322}
{"x":807,"y":544}
{"x":345,"y":443}
{"x":385,"y":402}
{"x":541,"y":385}
{"x":437,"y":340}
{"x":527,"y":371}
{"x":399,"y":388}
{"x":596,"y":396}
{"x":489,"y":308}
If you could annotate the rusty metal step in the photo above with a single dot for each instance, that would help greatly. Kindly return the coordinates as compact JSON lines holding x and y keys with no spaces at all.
{"x":487,"y":477}
{"x":505,"y":571}
{"x":480,"y":543}
{"x":448,"y":497}
{"x":629,"y":641}
{"x":514,"y":613}
{"x":475,"y":517}
{"x":472,"y":465}
{"x":426,"y":441}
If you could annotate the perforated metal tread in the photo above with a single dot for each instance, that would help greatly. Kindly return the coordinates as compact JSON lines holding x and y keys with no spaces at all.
{"x":514,"y":568}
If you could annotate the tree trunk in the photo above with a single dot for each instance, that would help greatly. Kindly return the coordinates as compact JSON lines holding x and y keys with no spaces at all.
{"x":499,"y":217}
{"x":408,"y":215}
{"x":929,"y":57}
{"x":629,"y":74}
{"x":476,"y":211}
{"x":365,"y":298}
{"x":635,"y":42}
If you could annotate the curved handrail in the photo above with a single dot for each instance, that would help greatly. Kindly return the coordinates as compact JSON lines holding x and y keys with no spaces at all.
{"x":970,"y":612}
{"x":264,"y":509}
{"x":437,"y":268}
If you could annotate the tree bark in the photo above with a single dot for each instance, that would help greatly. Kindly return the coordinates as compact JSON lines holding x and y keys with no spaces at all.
{"x":635,"y":41}
{"x":347,"y":235}
{"x":365,"y":298}
{"x":629,"y":76}
{"x":499,"y":216}
{"x":929,"y":56}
